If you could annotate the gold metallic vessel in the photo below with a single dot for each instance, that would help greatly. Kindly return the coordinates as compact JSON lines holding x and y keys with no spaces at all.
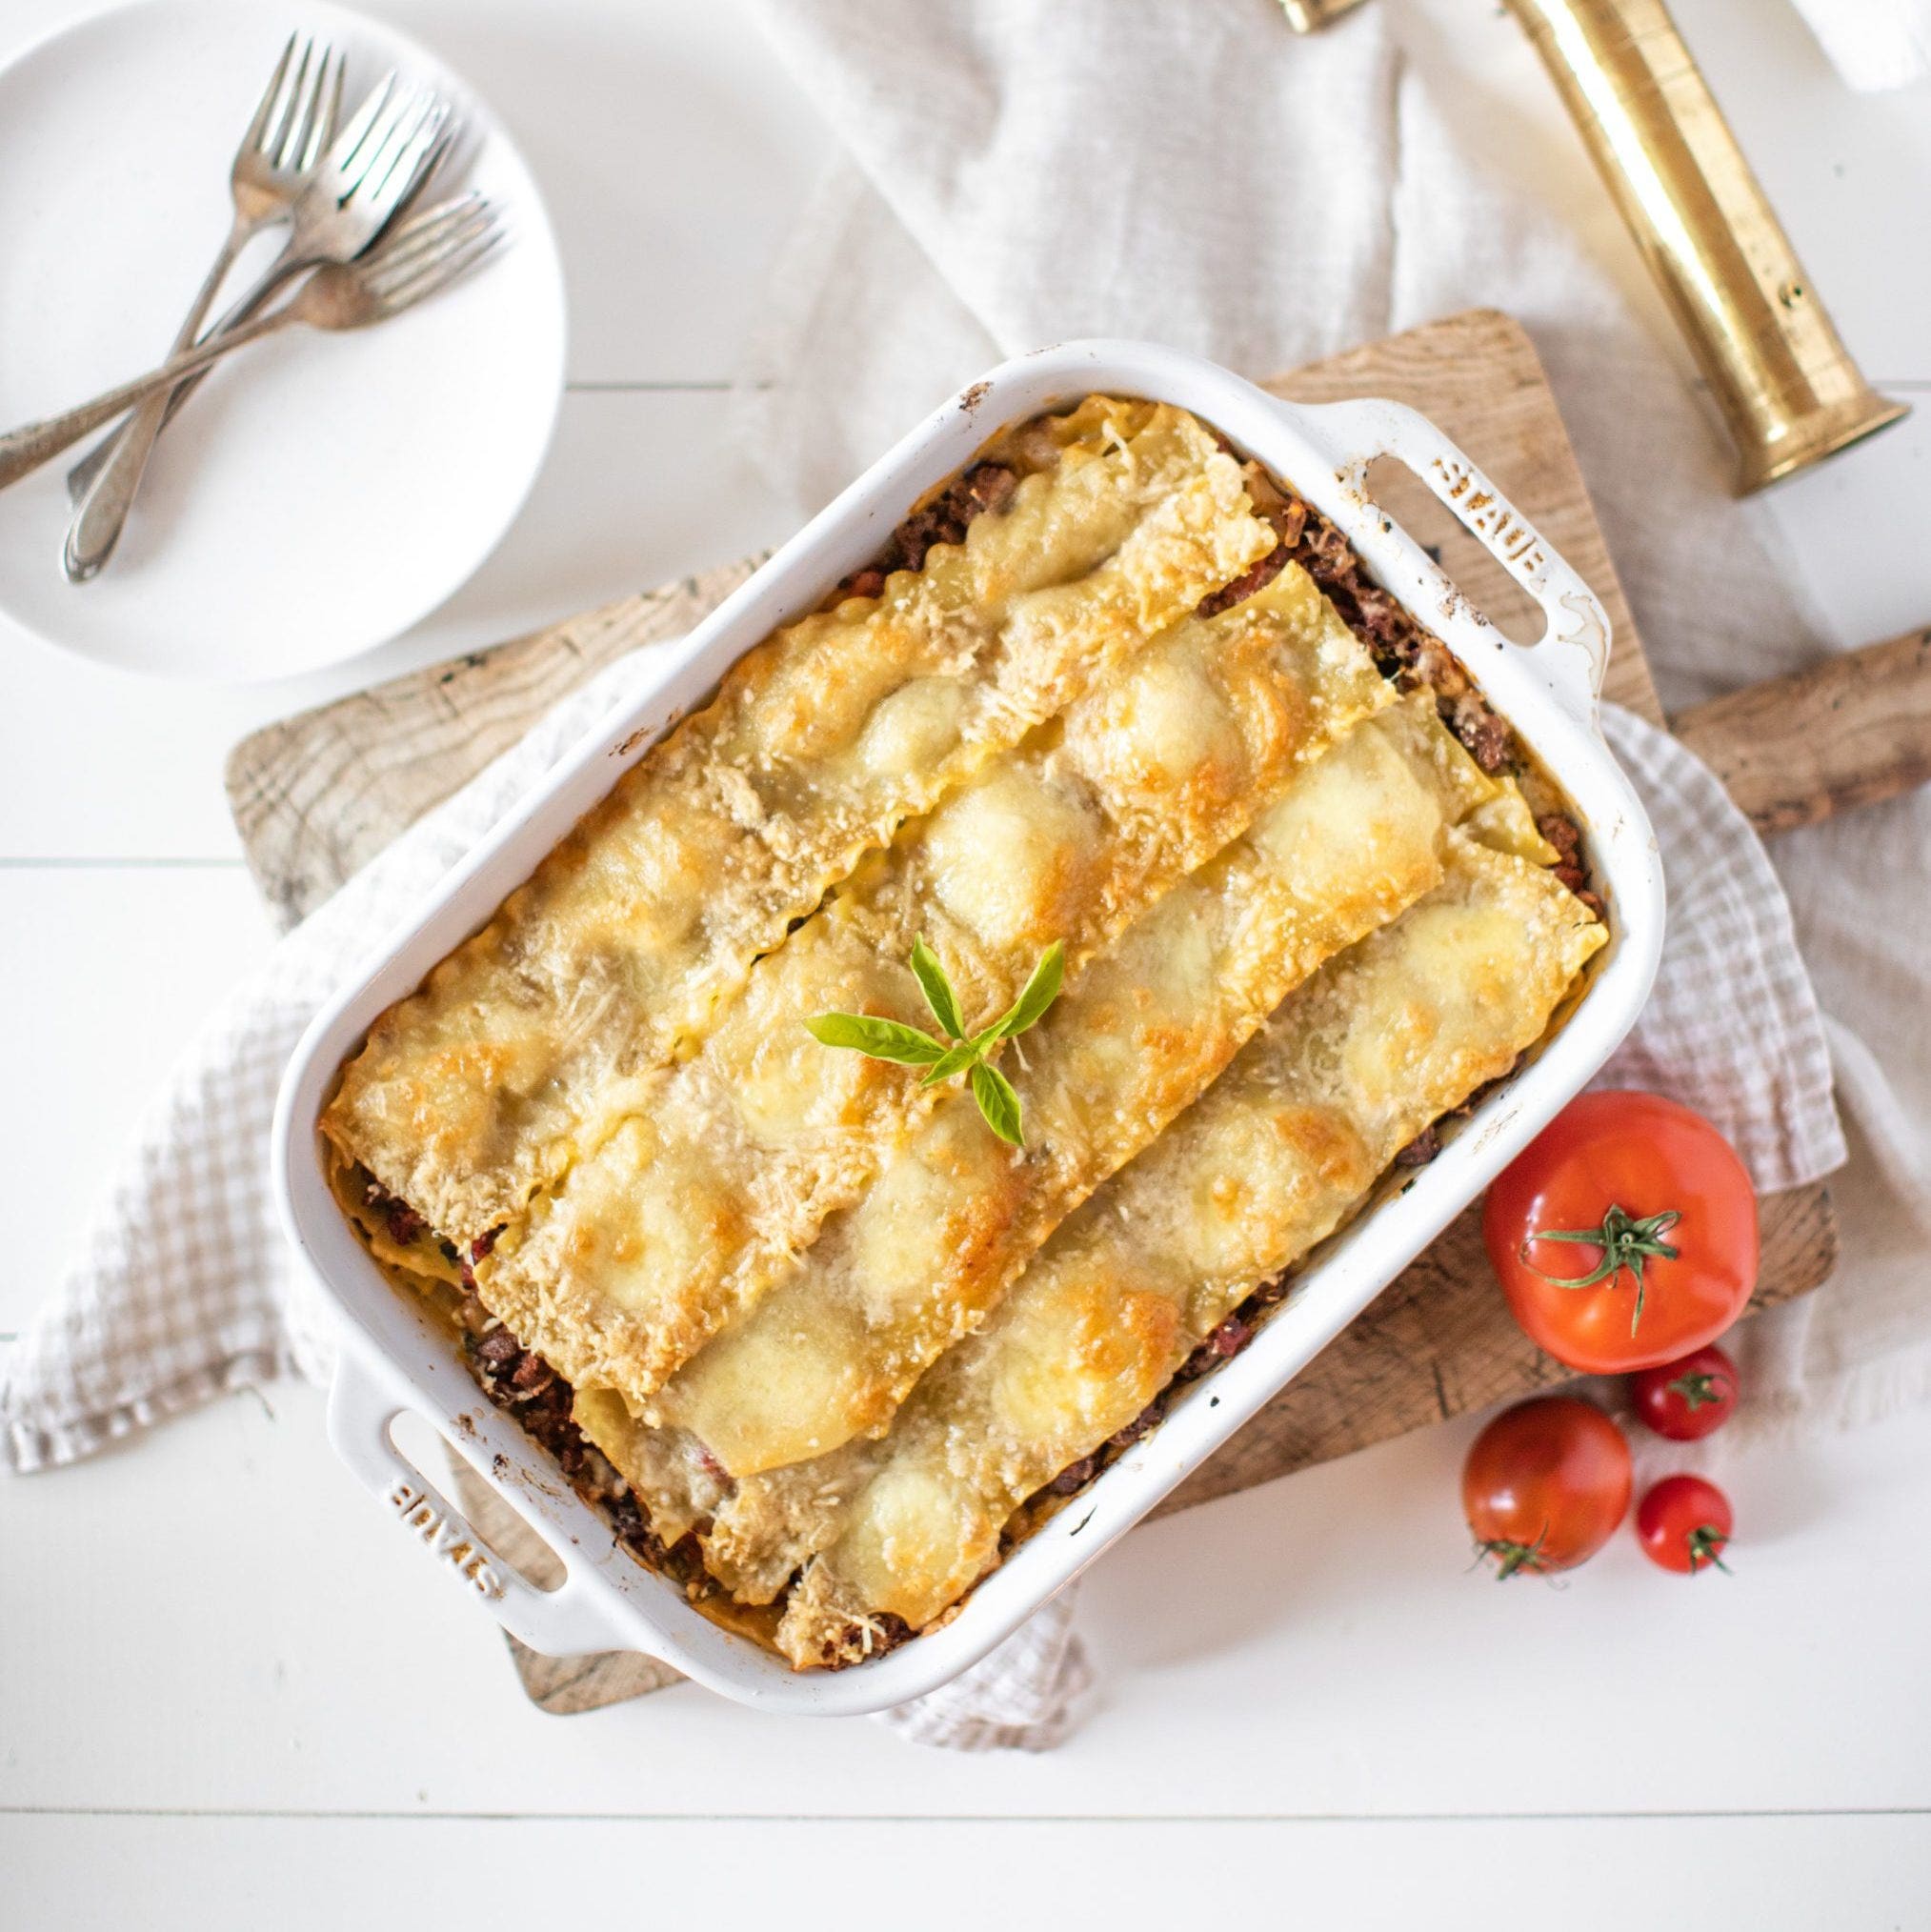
{"x":1304,"y":16}
{"x":1787,"y":383}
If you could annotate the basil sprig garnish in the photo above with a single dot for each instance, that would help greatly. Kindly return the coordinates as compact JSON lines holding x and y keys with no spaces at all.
{"x":890,"y":1039}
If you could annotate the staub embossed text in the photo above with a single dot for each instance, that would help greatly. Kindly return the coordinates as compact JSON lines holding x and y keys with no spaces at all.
{"x":446,"y":1538}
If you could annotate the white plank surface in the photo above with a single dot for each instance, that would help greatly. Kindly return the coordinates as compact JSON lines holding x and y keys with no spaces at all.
{"x":303,"y":1876}
{"x":228,"y":1694}
{"x":217,"y":1622}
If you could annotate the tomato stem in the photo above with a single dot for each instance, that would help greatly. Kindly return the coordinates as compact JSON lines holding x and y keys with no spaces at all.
{"x":1625,"y":1242}
{"x":1511,"y":1557}
{"x":1708,"y":1543}
{"x":1699,"y":1389}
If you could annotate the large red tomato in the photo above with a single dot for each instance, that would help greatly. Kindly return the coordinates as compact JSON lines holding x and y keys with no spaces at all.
{"x":1545,"y":1484}
{"x":1625,"y":1235}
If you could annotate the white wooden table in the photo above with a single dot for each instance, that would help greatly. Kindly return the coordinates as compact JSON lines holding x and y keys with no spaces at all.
{"x":231,"y":1698}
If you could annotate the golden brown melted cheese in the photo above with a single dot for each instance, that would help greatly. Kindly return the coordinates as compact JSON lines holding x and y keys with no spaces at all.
{"x":527,"y":1046}
{"x":731,"y":1161}
{"x":1273,"y":1158}
{"x":935,"y":1243}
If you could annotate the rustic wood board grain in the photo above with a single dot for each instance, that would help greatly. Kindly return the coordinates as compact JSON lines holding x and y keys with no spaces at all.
{"x":317,"y":796}
{"x":1851,"y":731}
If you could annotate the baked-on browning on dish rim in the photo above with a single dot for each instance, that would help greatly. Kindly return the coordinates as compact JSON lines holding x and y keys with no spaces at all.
{"x":695,"y":1531}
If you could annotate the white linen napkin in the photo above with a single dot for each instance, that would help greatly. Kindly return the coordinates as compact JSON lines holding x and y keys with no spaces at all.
{"x":1873,"y":44}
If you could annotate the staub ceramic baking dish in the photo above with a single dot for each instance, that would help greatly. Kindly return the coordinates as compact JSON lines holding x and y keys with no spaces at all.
{"x":394,"y":1359}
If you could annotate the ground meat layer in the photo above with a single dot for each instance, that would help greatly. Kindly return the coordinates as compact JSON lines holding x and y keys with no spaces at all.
{"x":1406,"y":651}
{"x":944,"y":520}
{"x":521,"y":1383}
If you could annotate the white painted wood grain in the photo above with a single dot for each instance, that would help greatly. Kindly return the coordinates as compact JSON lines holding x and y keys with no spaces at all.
{"x":301,"y":1876}
{"x":219,"y":1620}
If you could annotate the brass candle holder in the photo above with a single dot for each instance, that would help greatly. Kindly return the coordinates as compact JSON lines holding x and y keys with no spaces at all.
{"x":1787,"y":386}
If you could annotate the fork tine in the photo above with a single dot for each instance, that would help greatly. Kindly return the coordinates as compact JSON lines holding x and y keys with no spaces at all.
{"x":348,"y":151}
{"x":322,"y":132}
{"x":442,"y":269}
{"x":411,"y":134}
{"x":417,"y":236}
{"x":407,"y":168}
{"x":427,"y":238}
{"x":256,"y":139}
{"x":442,"y":228}
{"x":301,"y":106}
{"x":403,"y":113}
{"x":425,"y":225}
{"x":425,"y":175}
{"x":285,"y":106}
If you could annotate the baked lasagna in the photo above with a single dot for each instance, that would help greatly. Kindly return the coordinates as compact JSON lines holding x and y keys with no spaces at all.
{"x":821,"y":1344}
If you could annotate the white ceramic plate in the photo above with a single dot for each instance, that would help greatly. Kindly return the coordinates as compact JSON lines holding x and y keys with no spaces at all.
{"x":323,"y":492}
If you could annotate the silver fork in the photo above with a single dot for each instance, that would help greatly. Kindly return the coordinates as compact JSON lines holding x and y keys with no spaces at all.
{"x":292,"y":124}
{"x":424,"y":255}
{"x":370,"y":172}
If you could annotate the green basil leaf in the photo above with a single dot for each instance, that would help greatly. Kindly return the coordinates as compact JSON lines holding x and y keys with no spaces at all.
{"x":884,"y":1039}
{"x":954,"y":1060}
{"x":888,"y":1039}
{"x":1039,"y":993}
{"x":937,"y":988}
{"x":998,"y":1102}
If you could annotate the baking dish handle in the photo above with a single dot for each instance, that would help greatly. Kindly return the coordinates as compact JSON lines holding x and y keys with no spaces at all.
{"x":1573,"y":652}
{"x":562,"y":1622}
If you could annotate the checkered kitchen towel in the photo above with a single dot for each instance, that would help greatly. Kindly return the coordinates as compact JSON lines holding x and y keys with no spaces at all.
{"x":1732,"y":1027}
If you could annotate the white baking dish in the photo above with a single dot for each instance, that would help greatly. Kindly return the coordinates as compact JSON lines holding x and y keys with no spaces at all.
{"x":393,"y":1357}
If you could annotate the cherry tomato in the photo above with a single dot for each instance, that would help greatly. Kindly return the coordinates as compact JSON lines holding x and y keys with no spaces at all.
{"x":1545,"y":1484}
{"x":1684,"y":1524}
{"x":1625,"y":1234}
{"x":1690,"y":1398}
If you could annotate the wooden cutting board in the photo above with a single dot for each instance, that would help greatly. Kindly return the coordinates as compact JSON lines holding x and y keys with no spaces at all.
{"x":316,"y":796}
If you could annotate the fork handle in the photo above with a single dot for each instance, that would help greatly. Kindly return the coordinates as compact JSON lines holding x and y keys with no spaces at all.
{"x":80,"y":478}
{"x":104,"y":484}
{"x":28,"y":448}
